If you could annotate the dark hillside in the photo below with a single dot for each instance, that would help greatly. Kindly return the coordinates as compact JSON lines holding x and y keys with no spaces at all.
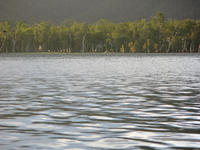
{"x":92,"y":10}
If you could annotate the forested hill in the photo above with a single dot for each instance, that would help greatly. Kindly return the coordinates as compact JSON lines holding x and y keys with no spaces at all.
{"x":92,"y":10}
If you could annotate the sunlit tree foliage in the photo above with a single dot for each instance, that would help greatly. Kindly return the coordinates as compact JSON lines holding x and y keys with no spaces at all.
{"x":156,"y":35}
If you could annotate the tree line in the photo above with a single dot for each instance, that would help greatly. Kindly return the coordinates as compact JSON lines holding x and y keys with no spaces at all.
{"x":156,"y":35}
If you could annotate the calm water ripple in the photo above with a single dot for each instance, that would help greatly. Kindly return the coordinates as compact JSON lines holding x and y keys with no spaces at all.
{"x":98,"y":102}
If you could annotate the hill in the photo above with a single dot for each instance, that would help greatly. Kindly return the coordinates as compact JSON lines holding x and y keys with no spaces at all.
{"x":92,"y":10}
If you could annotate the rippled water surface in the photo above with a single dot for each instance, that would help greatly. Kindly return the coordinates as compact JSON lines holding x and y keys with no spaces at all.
{"x":97,"y":102}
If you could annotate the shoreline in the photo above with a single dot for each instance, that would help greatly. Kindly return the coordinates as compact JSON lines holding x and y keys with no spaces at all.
{"x":97,"y":53}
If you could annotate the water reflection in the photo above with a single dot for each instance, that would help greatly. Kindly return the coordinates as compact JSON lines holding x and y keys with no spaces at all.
{"x":99,"y":102}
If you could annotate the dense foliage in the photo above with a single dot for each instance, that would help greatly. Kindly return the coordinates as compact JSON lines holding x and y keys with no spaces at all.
{"x":156,"y":35}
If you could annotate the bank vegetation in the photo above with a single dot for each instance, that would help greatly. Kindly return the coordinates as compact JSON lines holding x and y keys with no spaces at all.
{"x":156,"y":35}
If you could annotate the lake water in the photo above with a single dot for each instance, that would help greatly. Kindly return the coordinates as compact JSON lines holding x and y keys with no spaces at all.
{"x":99,"y":102}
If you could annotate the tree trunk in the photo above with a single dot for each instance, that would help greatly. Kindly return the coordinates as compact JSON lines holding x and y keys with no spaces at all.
{"x":70,"y":43}
{"x":169,"y":46}
{"x":148,"y":50}
{"x":2,"y":45}
{"x":83,"y":44}
{"x":199,"y":48}
{"x":191,"y":47}
{"x":27,"y":47}
{"x":161,"y":47}
{"x":184,"y":46}
{"x":14,"y":45}
{"x":93,"y":48}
